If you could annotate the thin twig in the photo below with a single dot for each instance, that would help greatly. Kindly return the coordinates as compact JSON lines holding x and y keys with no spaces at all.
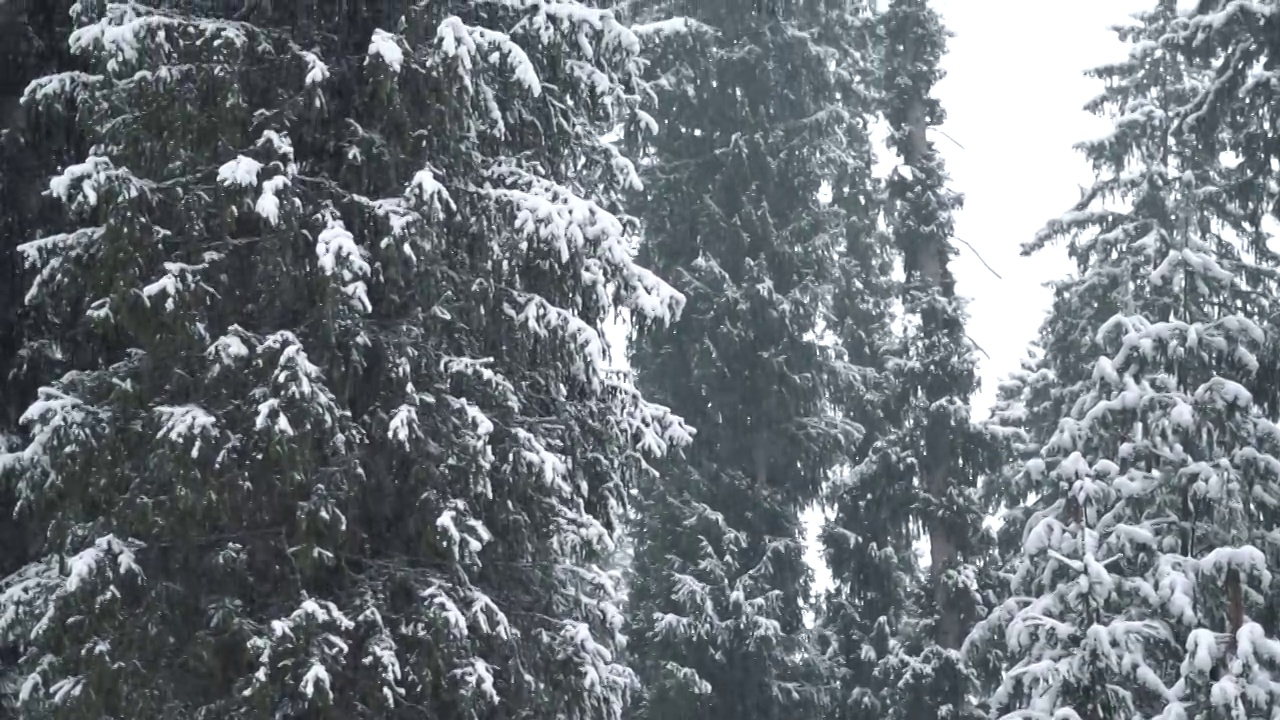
{"x":980,"y":259}
{"x":976,"y":345}
{"x":943,"y":134}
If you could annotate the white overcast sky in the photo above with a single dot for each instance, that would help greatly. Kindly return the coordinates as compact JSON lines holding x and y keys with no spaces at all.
{"x":1014,"y":94}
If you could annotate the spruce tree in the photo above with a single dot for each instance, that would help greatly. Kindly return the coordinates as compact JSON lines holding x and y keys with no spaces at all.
{"x":763,"y":109}
{"x":1239,"y":110}
{"x":1236,"y":110}
{"x":1140,"y":561}
{"x":930,"y":454}
{"x":331,"y":432}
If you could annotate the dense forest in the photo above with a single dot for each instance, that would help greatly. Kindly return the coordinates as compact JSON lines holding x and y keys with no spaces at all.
{"x":481,"y":360}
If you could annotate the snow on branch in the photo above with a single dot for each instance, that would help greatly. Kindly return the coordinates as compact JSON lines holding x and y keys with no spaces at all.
{"x":672,"y":27}
{"x":182,"y":422}
{"x":55,"y":421}
{"x":386,"y":48}
{"x":82,"y":185}
{"x":124,"y":28}
{"x":654,"y":428}
{"x":339,"y":256}
{"x":548,"y":19}
{"x":569,"y":223}
{"x":465,"y":44}
{"x":240,"y":172}
{"x":59,"y":86}
{"x":54,"y":254}
{"x":178,"y":278}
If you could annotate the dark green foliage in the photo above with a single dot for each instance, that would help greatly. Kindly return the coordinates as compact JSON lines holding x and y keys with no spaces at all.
{"x":763,"y":110}
{"x":902,"y":624}
{"x":32,"y":43}
{"x":332,"y":434}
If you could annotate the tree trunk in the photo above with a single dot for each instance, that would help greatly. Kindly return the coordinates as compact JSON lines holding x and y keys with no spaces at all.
{"x":929,"y":254}
{"x":1235,"y":606}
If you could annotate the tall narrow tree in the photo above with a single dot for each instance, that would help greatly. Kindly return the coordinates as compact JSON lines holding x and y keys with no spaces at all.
{"x":763,"y":111}
{"x":935,"y":450}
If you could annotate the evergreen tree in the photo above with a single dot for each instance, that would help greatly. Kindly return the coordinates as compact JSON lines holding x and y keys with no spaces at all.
{"x":763,"y":110}
{"x":331,"y":433}
{"x":924,"y":466}
{"x":1024,"y":415}
{"x":1011,"y":427}
{"x":1239,"y":109}
{"x":1140,"y":557}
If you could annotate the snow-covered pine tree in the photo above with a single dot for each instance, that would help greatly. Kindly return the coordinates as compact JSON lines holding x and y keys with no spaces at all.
{"x":332,"y":435}
{"x":32,"y":43}
{"x":1020,"y":422}
{"x":1141,"y":554}
{"x":763,"y":111}
{"x":1239,"y":112}
{"x":1240,"y":108}
{"x":1023,"y":417}
{"x":930,"y":453}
